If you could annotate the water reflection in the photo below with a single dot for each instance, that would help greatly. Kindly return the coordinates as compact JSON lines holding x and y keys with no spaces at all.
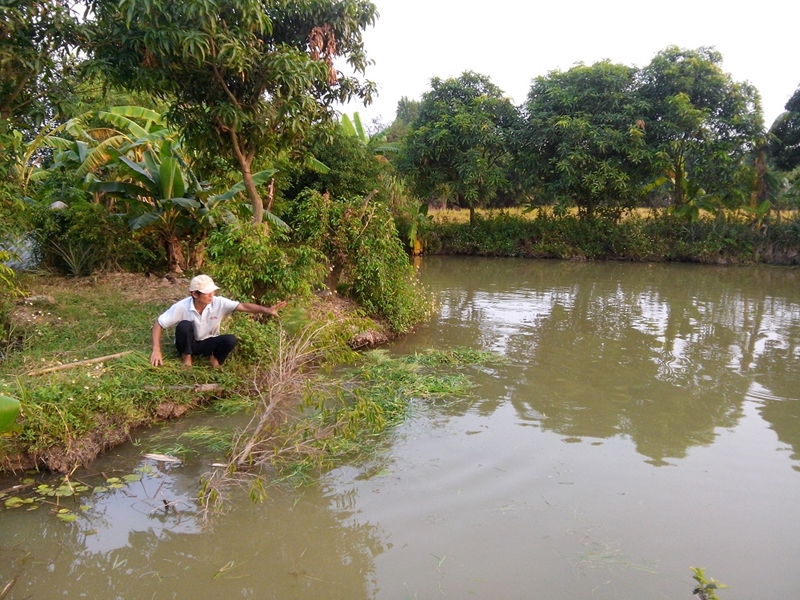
{"x":128,"y":544}
{"x":664,"y":355}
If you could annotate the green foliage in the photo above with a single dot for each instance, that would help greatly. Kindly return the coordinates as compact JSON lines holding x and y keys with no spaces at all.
{"x":407,"y":112}
{"x":36,"y":54}
{"x":10,"y":337}
{"x":706,"y":587}
{"x":661,"y":237}
{"x":352,"y":167}
{"x":365,"y":256}
{"x":208,"y":438}
{"x":346,"y":416}
{"x":256,"y":340}
{"x":8,"y":284}
{"x":580,"y":140}
{"x":250,"y":88}
{"x":9,"y":411}
{"x":699,"y":121}
{"x":251,"y":262}
{"x":459,"y":145}
{"x":784,"y":145}
{"x":83,"y":236}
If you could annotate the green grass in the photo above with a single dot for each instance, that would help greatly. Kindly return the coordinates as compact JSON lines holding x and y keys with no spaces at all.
{"x":83,"y":408}
{"x":347,"y":415}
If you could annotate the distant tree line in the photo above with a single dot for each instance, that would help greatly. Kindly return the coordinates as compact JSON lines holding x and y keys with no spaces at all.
{"x":604,"y":138}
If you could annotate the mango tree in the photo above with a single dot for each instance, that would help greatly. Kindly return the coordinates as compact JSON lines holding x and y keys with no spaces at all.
{"x":784,"y":143}
{"x":582,"y":140}
{"x":37,"y":41}
{"x":459,"y":144}
{"x":699,"y":122}
{"x":164,"y":194}
{"x":245,"y":78}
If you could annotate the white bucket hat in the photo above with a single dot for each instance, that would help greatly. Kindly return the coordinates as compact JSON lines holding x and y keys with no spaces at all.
{"x":203,"y":284}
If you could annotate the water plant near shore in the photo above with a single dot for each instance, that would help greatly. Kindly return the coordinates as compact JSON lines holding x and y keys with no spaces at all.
{"x":304,"y":422}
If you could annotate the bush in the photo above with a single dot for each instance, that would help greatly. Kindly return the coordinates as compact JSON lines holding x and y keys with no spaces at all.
{"x":656,"y":238}
{"x":82,"y":237}
{"x":259,"y":264}
{"x":365,"y":257}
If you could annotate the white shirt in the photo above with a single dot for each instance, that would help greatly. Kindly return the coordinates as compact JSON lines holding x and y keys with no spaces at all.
{"x":205,"y":325}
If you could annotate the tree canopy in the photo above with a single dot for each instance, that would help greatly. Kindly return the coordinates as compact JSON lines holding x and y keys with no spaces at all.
{"x":459,"y":144}
{"x":699,"y":121}
{"x":582,"y":140}
{"x":36,"y":43}
{"x":245,"y":78}
{"x":785,"y":135}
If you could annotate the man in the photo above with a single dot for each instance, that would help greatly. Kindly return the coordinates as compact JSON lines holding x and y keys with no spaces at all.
{"x":197,"y":319}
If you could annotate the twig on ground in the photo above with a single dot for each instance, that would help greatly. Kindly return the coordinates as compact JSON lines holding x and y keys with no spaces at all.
{"x":77,"y":363}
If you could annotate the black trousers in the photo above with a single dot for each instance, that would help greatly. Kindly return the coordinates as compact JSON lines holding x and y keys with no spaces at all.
{"x":220,"y":346}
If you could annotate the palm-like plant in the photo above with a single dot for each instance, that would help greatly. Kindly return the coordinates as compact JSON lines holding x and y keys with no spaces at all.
{"x":164,"y":193}
{"x":146,"y":168}
{"x":376,"y":143}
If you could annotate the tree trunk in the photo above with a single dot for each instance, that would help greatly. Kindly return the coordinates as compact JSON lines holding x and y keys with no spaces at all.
{"x":332,"y":280}
{"x":252,"y":193}
{"x":245,"y":163}
{"x":762,"y":190}
{"x":680,"y":174}
{"x":174,"y":253}
{"x":197,"y":254}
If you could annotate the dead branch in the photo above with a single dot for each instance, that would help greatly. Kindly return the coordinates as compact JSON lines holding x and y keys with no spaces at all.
{"x":78,"y":363}
{"x":200,"y":387}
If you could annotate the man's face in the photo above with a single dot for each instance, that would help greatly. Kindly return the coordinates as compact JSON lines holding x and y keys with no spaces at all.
{"x":204,"y":298}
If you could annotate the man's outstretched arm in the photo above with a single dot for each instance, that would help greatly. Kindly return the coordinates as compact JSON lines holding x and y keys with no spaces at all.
{"x":258,"y":309}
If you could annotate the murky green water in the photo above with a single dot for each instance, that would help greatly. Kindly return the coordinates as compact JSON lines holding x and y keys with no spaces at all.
{"x":644,"y":419}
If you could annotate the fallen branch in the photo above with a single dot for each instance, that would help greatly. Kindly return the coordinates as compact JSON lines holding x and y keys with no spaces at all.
{"x":200,"y":387}
{"x":77,"y":363}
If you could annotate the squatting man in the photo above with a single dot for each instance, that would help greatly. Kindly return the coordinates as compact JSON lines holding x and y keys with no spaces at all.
{"x":197,"y":320}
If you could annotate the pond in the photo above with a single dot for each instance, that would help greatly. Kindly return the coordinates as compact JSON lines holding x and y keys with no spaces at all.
{"x":639,"y":420}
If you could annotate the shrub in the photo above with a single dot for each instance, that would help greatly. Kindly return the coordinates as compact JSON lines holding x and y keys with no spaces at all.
{"x":259,"y":264}
{"x":84,"y":236}
{"x":365,"y":256}
{"x":655,"y":238}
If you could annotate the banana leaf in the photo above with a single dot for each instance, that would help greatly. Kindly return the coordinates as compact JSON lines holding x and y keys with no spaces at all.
{"x":172,"y":183}
{"x":141,"y":174}
{"x":144,"y":220}
{"x":258,"y":178}
{"x":9,"y":411}
{"x":123,"y":188}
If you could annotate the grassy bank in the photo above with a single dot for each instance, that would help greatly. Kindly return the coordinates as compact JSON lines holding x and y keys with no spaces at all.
{"x":69,"y":415}
{"x":640,"y":236}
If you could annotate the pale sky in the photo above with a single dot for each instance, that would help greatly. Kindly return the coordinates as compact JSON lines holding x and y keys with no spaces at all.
{"x":513,"y":41}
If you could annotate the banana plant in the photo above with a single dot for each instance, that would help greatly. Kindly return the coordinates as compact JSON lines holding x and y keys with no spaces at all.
{"x":376,"y":144}
{"x":165,"y":195}
{"x":87,"y":146}
{"x":694,"y":197}
{"x":419,"y":220}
